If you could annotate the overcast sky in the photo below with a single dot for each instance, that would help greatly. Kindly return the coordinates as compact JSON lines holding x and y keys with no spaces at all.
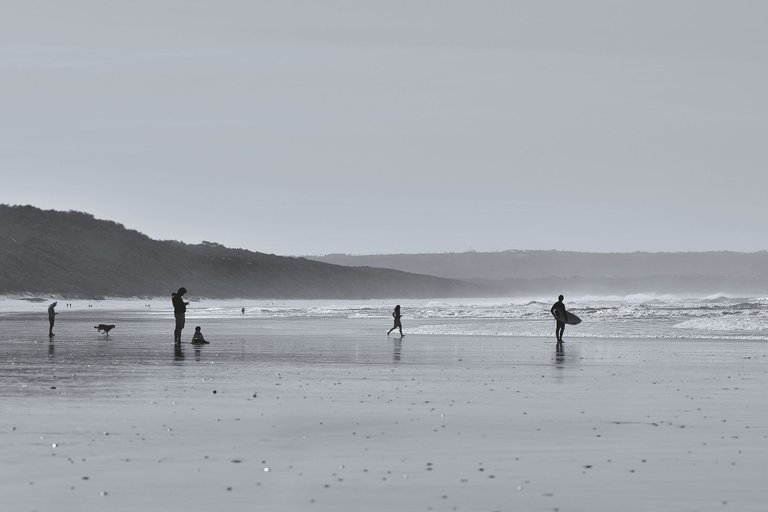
{"x":311,"y":127}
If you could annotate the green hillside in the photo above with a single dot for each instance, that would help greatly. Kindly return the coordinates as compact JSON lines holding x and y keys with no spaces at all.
{"x":74,"y":254}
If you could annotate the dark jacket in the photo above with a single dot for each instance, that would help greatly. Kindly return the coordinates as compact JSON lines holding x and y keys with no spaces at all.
{"x":179,"y":307}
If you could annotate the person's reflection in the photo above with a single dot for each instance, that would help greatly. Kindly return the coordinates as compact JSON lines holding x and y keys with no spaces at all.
{"x":178,"y":353}
{"x":51,"y":349}
{"x":559,"y":355}
{"x":197,"y":353}
{"x":398,"y":350}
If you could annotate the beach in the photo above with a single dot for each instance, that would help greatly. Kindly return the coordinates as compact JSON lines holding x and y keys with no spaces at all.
{"x":330,"y":414}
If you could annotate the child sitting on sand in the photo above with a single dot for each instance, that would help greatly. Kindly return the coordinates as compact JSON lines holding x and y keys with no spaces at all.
{"x":197,"y":338}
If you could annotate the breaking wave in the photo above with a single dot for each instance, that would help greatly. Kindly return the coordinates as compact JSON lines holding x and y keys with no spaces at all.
{"x":657,"y":316}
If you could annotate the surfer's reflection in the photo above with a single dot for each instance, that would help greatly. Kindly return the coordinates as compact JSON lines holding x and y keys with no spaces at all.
{"x":559,"y":355}
{"x":559,"y":363}
{"x":398,"y":350}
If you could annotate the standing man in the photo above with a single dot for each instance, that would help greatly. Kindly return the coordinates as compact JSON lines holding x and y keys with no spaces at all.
{"x":558,"y":311}
{"x":51,"y":319}
{"x":179,"y":310}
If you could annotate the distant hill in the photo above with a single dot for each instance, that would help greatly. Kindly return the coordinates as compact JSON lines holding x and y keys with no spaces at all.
{"x":74,"y":254}
{"x":531,"y":272}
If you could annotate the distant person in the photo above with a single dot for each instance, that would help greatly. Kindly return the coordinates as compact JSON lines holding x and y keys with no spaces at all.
{"x":179,"y":312}
{"x":51,"y":319}
{"x":398,"y":324}
{"x":243,"y":310}
{"x":558,"y":311}
{"x":197,"y":338}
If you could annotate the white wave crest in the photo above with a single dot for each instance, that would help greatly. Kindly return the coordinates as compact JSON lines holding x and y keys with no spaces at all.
{"x":726,"y":323}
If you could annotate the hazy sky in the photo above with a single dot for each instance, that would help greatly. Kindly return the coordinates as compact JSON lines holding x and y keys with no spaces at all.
{"x":310,"y":127}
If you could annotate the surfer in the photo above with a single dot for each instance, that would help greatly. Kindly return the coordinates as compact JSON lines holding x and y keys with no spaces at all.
{"x":179,"y":311}
{"x":51,"y":319}
{"x":398,"y":324}
{"x":558,"y":311}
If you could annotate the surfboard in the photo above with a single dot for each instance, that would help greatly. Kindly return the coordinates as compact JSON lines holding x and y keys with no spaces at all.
{"x":570,"y":318}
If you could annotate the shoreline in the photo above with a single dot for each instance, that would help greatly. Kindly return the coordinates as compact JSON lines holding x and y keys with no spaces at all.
{"x":736,"y":320}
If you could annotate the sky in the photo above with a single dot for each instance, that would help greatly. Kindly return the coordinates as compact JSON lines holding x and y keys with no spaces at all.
{"x":400,"y":126}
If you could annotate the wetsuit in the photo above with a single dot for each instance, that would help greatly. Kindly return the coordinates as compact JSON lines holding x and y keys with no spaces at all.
{"x":558,"y":311}
{"x":398,"y":324}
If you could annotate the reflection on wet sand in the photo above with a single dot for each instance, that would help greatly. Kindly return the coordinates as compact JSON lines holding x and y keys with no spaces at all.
{"x":277,"y":391}
{"x":559,"y":355}
{"x":397,"y":350}
{"x":178,"y":352}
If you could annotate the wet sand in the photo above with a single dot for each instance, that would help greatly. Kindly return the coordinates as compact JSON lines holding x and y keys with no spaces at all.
{"x":332,"y":415}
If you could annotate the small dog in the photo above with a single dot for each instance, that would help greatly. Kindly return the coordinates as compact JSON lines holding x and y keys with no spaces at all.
{"x":104,"y":328}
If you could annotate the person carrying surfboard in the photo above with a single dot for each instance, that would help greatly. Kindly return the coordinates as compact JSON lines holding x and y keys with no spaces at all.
{"x":558,"y":311}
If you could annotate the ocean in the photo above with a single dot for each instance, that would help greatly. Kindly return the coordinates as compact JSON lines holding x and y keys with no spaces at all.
{"x":629,"y":317}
